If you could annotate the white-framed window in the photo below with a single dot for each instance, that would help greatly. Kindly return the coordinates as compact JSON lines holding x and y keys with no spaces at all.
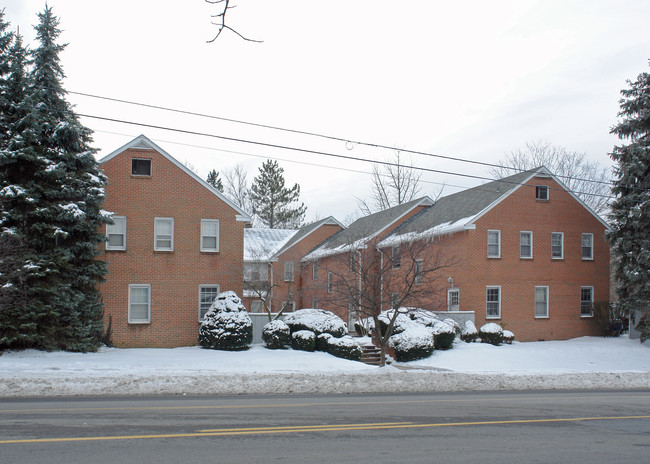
{"x":210,"y":235}
{"x":493,"y":302}
{"x":330,"y":281}
{"x":494,"y":244}
{"x":541,"y":302}
{"x":139,"y":303}
{"x":525,"y":244}
{"x":396,"y":257}
{"x":586,"y":301}
{"x":557,"y":245}
{"x":116,"y":234}
{"x":140,"y":167}
{"x":314,"y":270}
{"x":288,"y":271}
{"x":164,"y":234}
{"x":541,"y":192}
{"x":289,"y":306}
{"x":257,"y":306}
{"x":453,"y":299}
{"x":207,"y":294}
{"x":314,"y":303}
{"x":352,"y":259}
{"x":587,"y":246}
{"x":419,"y":266}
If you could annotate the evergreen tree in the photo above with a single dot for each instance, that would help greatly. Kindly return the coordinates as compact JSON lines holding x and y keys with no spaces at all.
{"x":214,"y":180}
{"x":51,"y":195}
{"x":630,"y":216}
{"x":272,"y":201}
{"x":5,"y":44}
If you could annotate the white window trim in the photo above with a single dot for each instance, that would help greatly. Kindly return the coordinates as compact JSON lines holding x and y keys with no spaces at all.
{"x":587,"y":316}
{"x":330,"y":281}
{"x":123,"y":220}
{"x":314,"y":270}
{"x":396,"y":257}
{"x":455,"y":290}
{"x":548,"y":193}
{"x":562,"y":242}
{"x":531,"y":244}
{"x":260,"y":307}
{"x":590,"y":258}
{"x":286,"y":271}
{"x":140,"y":321}
{"x":150,"y":167}
{"x":314,"y":303}
{"x":419,"y":271}
{"x":498,"y":255}
{"x":488,"y":287}
{"x":548,"y":297}
{"x":155,"y":234}
{"x":208,"y":221}
{"x":206,"y":286}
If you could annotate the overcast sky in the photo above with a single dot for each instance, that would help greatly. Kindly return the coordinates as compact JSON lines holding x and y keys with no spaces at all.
{"x":469,"y":79}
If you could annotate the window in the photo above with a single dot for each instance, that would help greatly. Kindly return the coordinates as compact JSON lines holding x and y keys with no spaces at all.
{"x":116,"y":234}
{"x":493,"y":302}
{"x":207,"y":295}
{"x":453,"y":299}
{"x":587,"y":246}
{"x":257,"y":306}
{"x":541,"y":192}
{"x":525,"y":245}
{"x":396,"y":257}
{"x":395,"y":300}
{"x":541,"y":301}
{"x":140,"y":167}
{"x":210,"y":235}
{"x":329,"y":282}
{"x":314,"y":270}
{"x":289,"y":306}
{"x":557,"y":245}
{"x":419,"y":264}
{"x":352,"y":261}
{"x":586,"y":301}
{"x":288,"y":271}
{"x":494,"y":244}
{"x":314,"y":303}
{"x":139,"y":304}
{"x":164,"y":234}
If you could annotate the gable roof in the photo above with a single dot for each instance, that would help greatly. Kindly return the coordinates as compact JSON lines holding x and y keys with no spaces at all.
{"x":461,"y":210}
{"x":142,"y":142}
{"x":307,"y":229}
{"x":263,"y":244}
{"x":364,"y":229}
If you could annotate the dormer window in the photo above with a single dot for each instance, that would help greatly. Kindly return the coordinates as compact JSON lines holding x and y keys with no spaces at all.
{"x":541,"y":192}
{"x":140,"y":167}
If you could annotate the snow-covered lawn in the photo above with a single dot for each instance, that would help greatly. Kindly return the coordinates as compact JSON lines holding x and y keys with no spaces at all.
{"x":588,"y":362}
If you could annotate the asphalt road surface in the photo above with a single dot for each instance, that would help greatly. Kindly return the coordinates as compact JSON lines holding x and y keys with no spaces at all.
{"x":518,"y":427}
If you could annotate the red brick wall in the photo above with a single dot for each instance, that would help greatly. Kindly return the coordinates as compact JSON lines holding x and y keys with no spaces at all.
{"x":174,"y":276}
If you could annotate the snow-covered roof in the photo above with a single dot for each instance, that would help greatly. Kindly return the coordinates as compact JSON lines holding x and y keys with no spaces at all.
{"x":142,"y":142}
{"x":263,"y":244}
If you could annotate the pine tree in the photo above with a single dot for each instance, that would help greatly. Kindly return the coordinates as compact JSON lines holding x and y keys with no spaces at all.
{"x":272,"y":201}
{"x":214,"y":180}
{"x":5,"y":44}
{"x":51,"y":196}
{"x":630,"y":216}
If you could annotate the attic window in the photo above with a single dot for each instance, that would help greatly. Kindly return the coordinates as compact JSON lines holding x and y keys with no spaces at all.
{"x":541,"y":192}
{"x":140,"y":167}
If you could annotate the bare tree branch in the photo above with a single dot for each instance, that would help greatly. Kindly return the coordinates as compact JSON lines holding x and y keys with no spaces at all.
{"x":221,"y":20}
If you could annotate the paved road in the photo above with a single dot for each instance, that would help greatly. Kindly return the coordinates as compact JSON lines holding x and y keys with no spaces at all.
{"x":529,"y":427}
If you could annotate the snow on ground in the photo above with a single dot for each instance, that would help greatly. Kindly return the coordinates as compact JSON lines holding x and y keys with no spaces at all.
{"x":588,"y":362}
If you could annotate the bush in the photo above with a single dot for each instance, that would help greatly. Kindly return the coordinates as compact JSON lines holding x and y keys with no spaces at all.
{"x":508,"y":337}
{"x":454,"y":325}
{"x":402,"y":321}
{"x":416,"y":342}
{"x":643,"y":326}
{"x":469,"y":333}
{"x":226,"y":325}
{"x":276,"y":335}
{"x":322,"y":341}
{"x":317,"y":321}
{"x":423,"y":317}
{"x":303,"y":340}
{"x":345,"y":347}
{"x":491,"y":333}
{"x":443,"y":336}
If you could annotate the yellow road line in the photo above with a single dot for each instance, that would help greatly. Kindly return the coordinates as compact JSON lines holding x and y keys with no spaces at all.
{"x":322,"y":428}
{"x":302,"y":427}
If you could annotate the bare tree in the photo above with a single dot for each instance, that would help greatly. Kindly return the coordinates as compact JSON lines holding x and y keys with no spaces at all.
{"x":371,"y":280}
{"x":219,"y":19}
{"x":587,"y":179}
{"x":236,"y":186}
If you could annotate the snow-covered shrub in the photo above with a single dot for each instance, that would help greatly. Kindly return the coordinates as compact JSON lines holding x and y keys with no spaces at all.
{"x":508,"y":337}
{"x":443,"y":336}
{"x":491,"y":333}
{"x":423,"y":317}
{"x":276,"y":335}
{"x":322,"y":340}
{"x":453,"y":323}
{"x":361,"y":327}
{"x":226,"y":325}
{"x":416,"y":342}
{"x":316,"y":320}
{"x":402,"y":321}
{"x":469,"y":333}
{"x":304,"y":340}
{"x":345,"y":347}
